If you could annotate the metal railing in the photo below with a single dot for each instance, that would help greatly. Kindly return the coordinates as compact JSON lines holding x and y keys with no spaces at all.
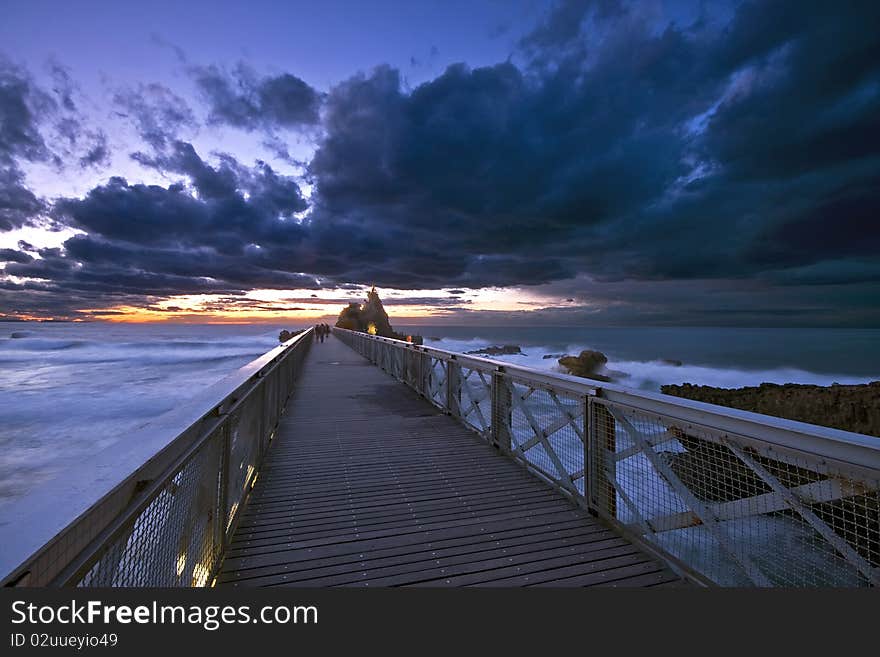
{"x":724,"y":496}
{"x":166,"y":520}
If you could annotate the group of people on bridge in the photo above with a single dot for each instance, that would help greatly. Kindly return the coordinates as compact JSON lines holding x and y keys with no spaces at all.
{"x":321,"y":332}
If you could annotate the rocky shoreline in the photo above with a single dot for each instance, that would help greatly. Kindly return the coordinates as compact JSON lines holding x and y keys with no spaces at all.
{"x":853,"y":408}
{"x":848,"y":407}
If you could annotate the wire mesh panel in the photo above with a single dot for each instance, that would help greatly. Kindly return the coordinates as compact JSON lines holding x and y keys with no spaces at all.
{"x":175,"y":540}
{"x":547,"y":431}
{"x":435,"y":384}
{"x":245,"y":425}
{"x":732,"y":508}
{"x":474,"y":398}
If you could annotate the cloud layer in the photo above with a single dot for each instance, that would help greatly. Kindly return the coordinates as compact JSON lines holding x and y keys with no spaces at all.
{"x":614,"y":151}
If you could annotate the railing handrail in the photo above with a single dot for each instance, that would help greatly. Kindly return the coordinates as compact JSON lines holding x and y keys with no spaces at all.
{"x":38,"y":519}
{"x":845,"y":446}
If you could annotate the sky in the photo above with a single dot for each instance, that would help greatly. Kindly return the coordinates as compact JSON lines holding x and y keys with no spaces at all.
{"x":578,"y":162}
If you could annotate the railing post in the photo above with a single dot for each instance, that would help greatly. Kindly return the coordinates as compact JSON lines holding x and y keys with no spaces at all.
{"x":219,"y":533}
{"x":453,"y":387}
{"x":262,"y":430}
{"x":225,"y":438}
{"x":602,"y":434}
{"x":502,"y":410}
{"x":417,"y":372}
{"x":409,"y":367}
{"x":425,"y":374}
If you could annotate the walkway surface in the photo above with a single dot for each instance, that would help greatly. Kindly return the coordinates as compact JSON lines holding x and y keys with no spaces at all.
{"x":367,"y":484}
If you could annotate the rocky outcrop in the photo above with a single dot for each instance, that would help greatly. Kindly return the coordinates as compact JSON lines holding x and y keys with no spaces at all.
{"x":21,"y":334}
{"x":848,"y":407}
{"x":370,"y":317}
{"x":549,"y":356}
{"x":286,"y":335}
{"x":589,"y":364}
{"x":503,"y":350}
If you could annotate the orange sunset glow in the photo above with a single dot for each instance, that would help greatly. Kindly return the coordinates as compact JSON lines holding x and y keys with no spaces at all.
{"x":302,"y":305}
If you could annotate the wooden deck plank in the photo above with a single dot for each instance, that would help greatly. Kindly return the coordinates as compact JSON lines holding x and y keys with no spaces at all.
{"x":367,"y":484}
{"x":651,"y":579}
{"x":389,"y":513}
{"x":500,"y":572}
{"x":616,"y":576}
{"x":539,"y":514}
{"x":401,"y":544}
{"x":255,"y":534}
{"x":413,"y":565}
{"x":417,"y":551}
{"x":378,"y":507}
{"x":378,"y":499}
{"x":378,"y":538}
{"x":411,"y":484}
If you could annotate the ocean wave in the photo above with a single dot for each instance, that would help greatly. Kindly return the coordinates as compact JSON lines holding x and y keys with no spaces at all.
{"x":652,"y":374}
{"x":41,"y":344}
{"x":69,"y":391}
{"x":161,"y":352}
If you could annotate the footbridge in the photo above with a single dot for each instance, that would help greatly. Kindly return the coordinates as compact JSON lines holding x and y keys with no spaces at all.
{"x":366,"y":461}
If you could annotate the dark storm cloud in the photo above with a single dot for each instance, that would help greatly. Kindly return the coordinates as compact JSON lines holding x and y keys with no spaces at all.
{"x":20,"y":103}
{"x":98,"y":154}
{"x":211,"y":233}
{"x":39,"y":125}
{"x":158,"y":113}
{"x":63,"y":85}
{"x":232,"y":208}
{"x":690,"y":303}
{"x":244,"y":99}
{"x":18,"y":205}
{"x":11,"y":255}
{"x":20,"y":137}
{"x":611,"y":148}
{"x":563,"y":23}
{"x":98,"y":270}
{"x":656,"y":152}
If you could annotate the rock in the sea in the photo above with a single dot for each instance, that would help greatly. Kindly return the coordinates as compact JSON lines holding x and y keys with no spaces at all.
{"x":370,"y":317}
{"x":671,"y":361}
{"x":503,"y":350}
{"x":589,"y":364}
{"x":286,"y":335}
{"x":548,"y":356}
{"x":21,"y":334}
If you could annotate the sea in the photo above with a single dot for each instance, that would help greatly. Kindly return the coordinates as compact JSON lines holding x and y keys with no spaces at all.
{"x":71,"y":390}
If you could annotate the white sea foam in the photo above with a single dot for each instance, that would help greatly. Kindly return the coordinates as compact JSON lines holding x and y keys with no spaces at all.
{"x":650,"y":375}
{"x":69,"y":391}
